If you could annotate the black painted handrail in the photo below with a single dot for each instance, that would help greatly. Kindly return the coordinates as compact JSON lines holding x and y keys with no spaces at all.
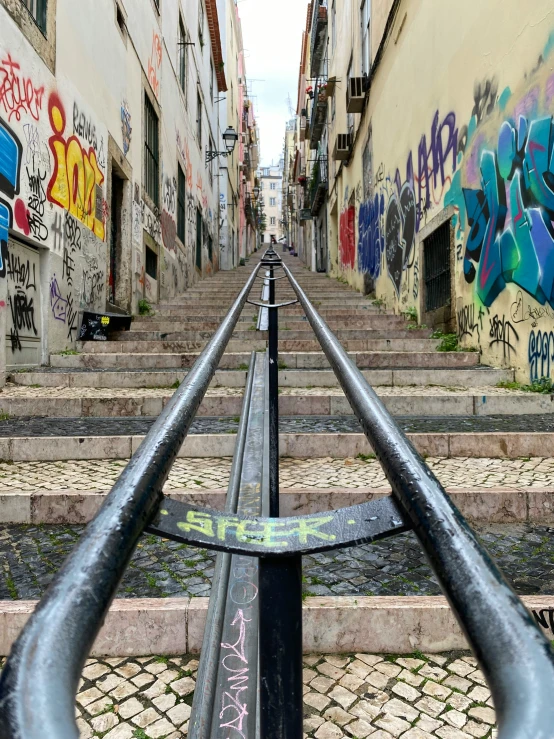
{"x":39,"y":682}
{"x":516,"y":658}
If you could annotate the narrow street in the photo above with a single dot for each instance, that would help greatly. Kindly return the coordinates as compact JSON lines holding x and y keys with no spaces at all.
{"x":277,"y":369}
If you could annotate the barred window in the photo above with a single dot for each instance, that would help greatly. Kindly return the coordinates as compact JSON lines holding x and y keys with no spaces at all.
{"x":151,"y":151}
{"x":182,"y":62}
{"x":181,"y":205}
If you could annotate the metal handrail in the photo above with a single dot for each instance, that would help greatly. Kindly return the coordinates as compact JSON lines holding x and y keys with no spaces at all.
{"x":39,"y":682}
{"x":516,"y":658}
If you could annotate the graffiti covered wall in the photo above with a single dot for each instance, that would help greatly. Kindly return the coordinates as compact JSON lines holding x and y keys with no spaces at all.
{"x":53,"y":194}
{"x":478,"y":140}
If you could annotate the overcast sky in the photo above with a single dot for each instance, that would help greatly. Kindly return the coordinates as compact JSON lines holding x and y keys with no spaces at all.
{"x":272,"y":36}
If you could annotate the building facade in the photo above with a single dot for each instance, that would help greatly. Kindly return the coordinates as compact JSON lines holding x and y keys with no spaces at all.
{"x":271,"y":193}
{"x":439,"y":194}
{"x":107,"y":110}
{"x":237,"y":222}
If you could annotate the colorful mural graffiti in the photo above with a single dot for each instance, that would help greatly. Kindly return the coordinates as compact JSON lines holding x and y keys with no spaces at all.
{"x":389,"y":221}
{"x":511,"y":236}
{"x":76,"y":182}
{"x":11,"y":152}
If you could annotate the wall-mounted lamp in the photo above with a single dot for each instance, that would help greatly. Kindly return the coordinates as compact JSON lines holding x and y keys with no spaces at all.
{"x":230,"y":137}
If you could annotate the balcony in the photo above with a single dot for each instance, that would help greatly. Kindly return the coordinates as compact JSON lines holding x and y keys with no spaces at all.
{"x":319,"y":114}
{"x":303,"y":126}
{"x":318,"y":185}
{"x":319,"y":35}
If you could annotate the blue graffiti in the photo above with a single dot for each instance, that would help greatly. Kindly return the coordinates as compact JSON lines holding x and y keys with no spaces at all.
{"x":371,"y":241}
{"x":511,"y":237}
{"x":11,"y":152}
{"x":541,"y":354}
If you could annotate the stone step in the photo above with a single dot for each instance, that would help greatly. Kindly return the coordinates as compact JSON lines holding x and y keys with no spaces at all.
{"x":470,"y":377}
{"x":256,"y":344}
{"x":438,"y":440}
{"x":140,"y":634}
{"x":192,"y":313}
{"x":58,"y":505}
{"x":295,"y":322}
{"x":292,"y":360}
{"x":306,"y":334}
{"x":318,"y":402}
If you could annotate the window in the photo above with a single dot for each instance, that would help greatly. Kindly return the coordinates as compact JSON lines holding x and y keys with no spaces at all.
{"x":366,"y":36}
{"x":273,"y":221}
{"x":436,"y":256}
{"x":350,"y":116}
{"x":182,"y":57}
{"x":151,"y":151}
{"x":37,"y":8}
{"x":273,"y":186}
{"x":201,"y":24}
{"x":334,"y":26}
{"x":367,"y":166}
{"x":120,"y":19}
{"x":211,"y":164}
{"x":273,"y":202}
{"x":211,"y":80}
{"x":199,"y":239}
{"x":181,"y":204}
{"x":262,"y":185}
{"x":151,"y":266}
{"x":210,"y":249}
{"x":199,"y":119}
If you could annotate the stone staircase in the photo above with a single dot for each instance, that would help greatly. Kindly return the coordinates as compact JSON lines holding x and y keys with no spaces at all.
{"x":70,"y":428}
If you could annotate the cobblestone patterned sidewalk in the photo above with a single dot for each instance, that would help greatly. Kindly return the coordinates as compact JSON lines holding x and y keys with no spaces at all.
{"x":354,"y":696}
{"x":31,"y":555}
{"x":212,"y":473}
{"x":23,"y":426}
{"x":19,"y":391}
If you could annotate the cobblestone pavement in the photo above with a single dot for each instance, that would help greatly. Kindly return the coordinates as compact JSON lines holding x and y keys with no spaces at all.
{"x":213,"y":473}
{"x":138,"y":426}
{"x":356,"y":696}
{"x":21,"y":391}
{"x":31,"y":555}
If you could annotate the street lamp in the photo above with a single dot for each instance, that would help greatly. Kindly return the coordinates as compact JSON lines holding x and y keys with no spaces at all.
{"x":256,"y":192}
{"x":230,"y":137}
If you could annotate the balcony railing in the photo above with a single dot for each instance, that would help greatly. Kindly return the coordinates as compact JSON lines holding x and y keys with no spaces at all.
{"x":318,"y":185}
{"x":319,"y":35}
{"x":319,"y":113}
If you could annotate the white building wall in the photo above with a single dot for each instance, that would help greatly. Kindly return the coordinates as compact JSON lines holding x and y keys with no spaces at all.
{"x":60,"y":139}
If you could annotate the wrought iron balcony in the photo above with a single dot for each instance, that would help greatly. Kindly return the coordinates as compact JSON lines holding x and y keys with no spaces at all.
{"x":318,"y":185}
{"x":319,"y":35}
{"x":319,"y":113}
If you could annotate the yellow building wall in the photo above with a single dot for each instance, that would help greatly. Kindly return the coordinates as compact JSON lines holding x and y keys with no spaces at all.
{"x":460,"y":111}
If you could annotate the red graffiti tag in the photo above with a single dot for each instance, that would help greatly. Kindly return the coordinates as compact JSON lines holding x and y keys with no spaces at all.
{"x":18,"y":94}
{"x":347,"y":237}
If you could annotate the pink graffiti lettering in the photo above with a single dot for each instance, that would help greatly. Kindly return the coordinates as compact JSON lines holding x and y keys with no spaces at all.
{"x":233,"y":711}
{"x":18,"y":94}
{"x":155,"y":63}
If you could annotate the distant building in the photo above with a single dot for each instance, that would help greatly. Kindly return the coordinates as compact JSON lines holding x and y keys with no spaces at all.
{"x":271,"y":186}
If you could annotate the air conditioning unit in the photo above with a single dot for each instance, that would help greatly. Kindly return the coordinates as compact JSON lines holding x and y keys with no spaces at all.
{"x":355,"y":95}
{"x":343,"y":146}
